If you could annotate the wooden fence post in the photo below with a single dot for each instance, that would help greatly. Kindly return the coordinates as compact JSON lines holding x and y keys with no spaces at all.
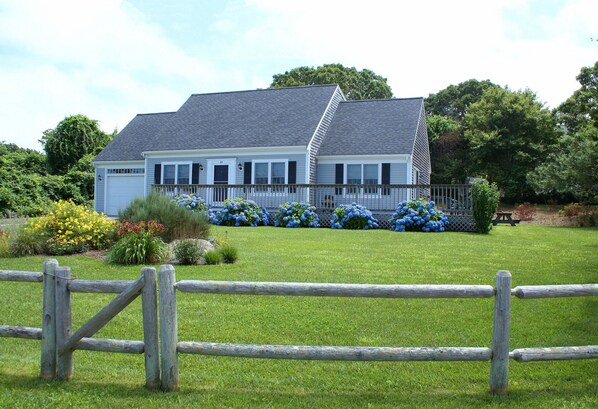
{"x":64,"y":358}
{"x":168,"y":328}
{"x":499,"y":369}
{"x":48,"y":358}
{"x":149,"y":302}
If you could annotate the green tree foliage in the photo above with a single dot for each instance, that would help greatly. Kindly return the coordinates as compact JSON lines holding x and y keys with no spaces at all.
{"x":509,"y":133}
{"x":484,"y":197}
{"x":453,"y":101}
{"x":581,"y":109}
{"x":571,"y":169}
{"x":74,"y":137}
{"x":364,"y":84}
{"x":445,"y":110}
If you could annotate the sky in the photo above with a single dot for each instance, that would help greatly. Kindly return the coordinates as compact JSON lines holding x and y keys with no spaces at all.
{"x":112,"y":59}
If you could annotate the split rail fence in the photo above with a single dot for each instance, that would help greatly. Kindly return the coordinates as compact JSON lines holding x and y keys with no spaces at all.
{"x":161,"y":359}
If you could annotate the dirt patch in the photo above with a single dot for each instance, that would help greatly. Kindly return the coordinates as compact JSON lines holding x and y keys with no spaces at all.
{"x":546,"y":216}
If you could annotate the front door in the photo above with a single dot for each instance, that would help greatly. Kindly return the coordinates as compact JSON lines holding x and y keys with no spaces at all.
{"x":220,"y":178}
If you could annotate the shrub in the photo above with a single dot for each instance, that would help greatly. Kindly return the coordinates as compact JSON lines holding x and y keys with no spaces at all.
{"x":485,"y":203}
{"x":138,"y":249}
{"x":418,"y":215}
{"x":241,"y":212}
{"x":4,"y":244}
{"x":296,"y":214}
{"x":229,"y":253}
{"x":179,"y":223}
{"x":187,"y":252}
{"x":526,"y":212}
{"x":212,"y":257}
{"x":191,"y":202}
{"x":584,"y":213}
{"x":66,"y":229}
{"x":354,"y":217}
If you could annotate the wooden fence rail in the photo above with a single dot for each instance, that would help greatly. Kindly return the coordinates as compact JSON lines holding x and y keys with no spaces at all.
{"x":161,"y":361}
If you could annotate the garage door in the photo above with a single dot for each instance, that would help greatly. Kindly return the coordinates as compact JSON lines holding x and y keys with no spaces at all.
{"x":120,"y":190}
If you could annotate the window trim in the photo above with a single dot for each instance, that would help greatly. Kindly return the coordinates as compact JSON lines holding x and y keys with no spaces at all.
{"x":176,"y":171}
{"x":361,"y":192}
{"x":270,"y":190}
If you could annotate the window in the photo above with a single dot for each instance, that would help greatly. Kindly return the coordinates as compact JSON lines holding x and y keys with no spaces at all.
{"x":176,"y":173}
{"x":126,"y":171}
{"x":366,"y":174}
{"x":269,"y":173}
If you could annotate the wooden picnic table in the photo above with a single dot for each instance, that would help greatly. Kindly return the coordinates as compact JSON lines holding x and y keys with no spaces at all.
{"x":504,"y":218}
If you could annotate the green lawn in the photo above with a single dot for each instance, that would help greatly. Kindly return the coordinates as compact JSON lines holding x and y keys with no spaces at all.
{"x":533,"y":254}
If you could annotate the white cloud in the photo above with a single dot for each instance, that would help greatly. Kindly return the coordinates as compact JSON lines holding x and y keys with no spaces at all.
{"x":99,"y":58}
{"x":422,"y":47}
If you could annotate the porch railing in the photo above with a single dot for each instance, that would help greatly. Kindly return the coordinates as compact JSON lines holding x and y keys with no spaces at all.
{"x":453,"y":199}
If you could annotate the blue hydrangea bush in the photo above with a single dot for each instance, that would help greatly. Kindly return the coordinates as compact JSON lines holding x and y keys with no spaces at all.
{"x":296,"y":214}
{"x":191,"y":202}
{"x":418,"y":215}
{"x":354,"y":217}
{"x":240,"y":212}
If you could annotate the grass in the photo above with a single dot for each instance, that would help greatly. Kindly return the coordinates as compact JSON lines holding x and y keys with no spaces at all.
{"x":533,"y":254}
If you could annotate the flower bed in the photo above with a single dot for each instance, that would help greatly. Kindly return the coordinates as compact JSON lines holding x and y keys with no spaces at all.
{"x":418,"y":215}
{"x":240,"y":212}
{"x":354,"y":217}
{"x":296,"y":214}
{"x":191,"y":202}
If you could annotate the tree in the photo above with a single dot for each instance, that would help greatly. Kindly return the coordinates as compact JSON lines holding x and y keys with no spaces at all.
{"x":364,"y":84}
{"x":581,"y":108}
{"x":571,"y":169}
{"x":74,"y":137}
{"x":509,"y":133}
{"x":453,"y":101}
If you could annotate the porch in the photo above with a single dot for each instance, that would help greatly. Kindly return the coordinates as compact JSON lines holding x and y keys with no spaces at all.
{"x":381,"y":200}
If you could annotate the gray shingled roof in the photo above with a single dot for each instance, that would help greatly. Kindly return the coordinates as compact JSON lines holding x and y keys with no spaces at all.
{"x":373,"y":127}
{"x":259,"y":118}
{"x":134,"y":138}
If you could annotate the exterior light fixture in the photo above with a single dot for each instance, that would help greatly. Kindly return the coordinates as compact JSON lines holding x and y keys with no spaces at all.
{"x":240,"y":166}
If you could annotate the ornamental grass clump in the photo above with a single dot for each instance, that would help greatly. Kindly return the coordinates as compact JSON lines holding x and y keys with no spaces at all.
{"x":179,"y":223}
{"x":240,"y":212}
{"x":418,"y":215}
{"x":66,"y":229}
{"x":191,"y":202}
{"x":353,"y":217}
{"x":139,"y":244}
{"x":296,"y":214}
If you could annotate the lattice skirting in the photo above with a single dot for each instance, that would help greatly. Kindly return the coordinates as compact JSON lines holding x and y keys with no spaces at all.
{"x":461,"y":222}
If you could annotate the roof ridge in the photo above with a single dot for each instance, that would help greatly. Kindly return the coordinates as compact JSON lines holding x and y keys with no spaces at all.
{"x":266,"y":89}
{"x":159,"y":113}
{"x":381,"y":100}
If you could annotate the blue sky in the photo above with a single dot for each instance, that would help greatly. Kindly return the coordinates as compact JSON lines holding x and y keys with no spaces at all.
{"x":112,"y":59}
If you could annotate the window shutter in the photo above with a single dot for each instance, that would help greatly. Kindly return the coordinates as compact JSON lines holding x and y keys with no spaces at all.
{"x":386,"y":178}
{"x":339,"y":177}
{"x":247,"y":173}
{"x":195,"y":174}
{"x":292,"y":175}
{"x":157,"y":173}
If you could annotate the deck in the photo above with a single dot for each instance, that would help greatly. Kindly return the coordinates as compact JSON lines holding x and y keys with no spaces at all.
{"x":381,"y":200}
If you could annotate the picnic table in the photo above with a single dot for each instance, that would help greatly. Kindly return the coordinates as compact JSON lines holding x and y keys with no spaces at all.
{"x":504,"y":218}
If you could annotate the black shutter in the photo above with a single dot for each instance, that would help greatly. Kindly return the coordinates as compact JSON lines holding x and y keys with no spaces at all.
{"x":339,"y":177}
{"x":386,"y":177}
{"x":195,"y":174}
{"x":292,"y":176}
{"x":157,"y":173}
{"x":247,"y":173}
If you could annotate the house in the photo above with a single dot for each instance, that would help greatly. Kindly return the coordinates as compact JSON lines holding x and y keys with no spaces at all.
{"x":300,"y":138}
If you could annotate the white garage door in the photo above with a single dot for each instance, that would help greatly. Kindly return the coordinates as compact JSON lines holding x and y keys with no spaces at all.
{"x":120,"y":190}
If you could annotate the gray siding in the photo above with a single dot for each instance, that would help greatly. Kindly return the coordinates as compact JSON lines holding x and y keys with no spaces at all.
{"x":398,"y":173}
{"x":421,"y":152}
{"x":98,"y":199}
{"x":321,"y":133}
{"x":203,"y":175}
